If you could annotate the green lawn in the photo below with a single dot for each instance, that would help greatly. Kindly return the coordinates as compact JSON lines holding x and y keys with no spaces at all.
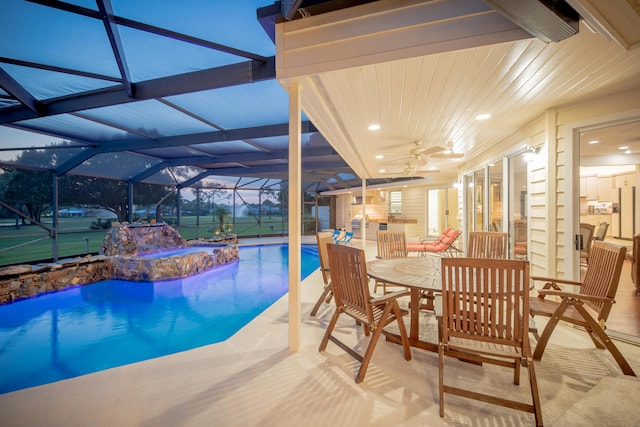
{"x":30,"y":243}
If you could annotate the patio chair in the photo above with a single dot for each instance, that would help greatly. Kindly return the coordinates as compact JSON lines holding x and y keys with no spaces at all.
{"x":586,"y":237}
{"x":351,"y":292}
{"x":323,"y":239}
{"x":347,"y":238}
{"x":484,"y":320}
{"x":590,"y":307}
{"x":444,"y":245}
{"x":391,"y":244}
{"x":601,"y":233}
{"x":487,"y":244}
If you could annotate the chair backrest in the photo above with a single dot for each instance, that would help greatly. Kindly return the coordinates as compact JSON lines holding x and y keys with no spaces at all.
{"x":349,"y":278}
{"x":603,"y":275}
{"x":486,"y":300}
{"x":391,"y":244}
{"x":601,"y":233}
{"x":586,"y":231}
{"x":324,"y":238}
{"x":487,"y":244}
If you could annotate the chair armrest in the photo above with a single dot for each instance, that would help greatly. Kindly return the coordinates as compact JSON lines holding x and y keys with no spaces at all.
{"x":388,"y":297}
{"x":574,"y":295}
{"x":556,"y":280}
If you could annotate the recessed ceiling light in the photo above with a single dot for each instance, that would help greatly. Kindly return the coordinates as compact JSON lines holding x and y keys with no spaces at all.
{"x":627,"y":152}
{"x":382,"y":171}
{"x":624,"y":147}
{"x":379,"y":156}
{"x":484,"y":116}
{"x":374,"y":126}
{"x":595,"y":141}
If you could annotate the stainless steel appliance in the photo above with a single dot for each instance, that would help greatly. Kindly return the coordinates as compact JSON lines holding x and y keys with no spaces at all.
{"x":624,"y":214}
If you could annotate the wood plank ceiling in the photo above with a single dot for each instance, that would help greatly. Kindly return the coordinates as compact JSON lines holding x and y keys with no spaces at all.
{"x":435,"y":98}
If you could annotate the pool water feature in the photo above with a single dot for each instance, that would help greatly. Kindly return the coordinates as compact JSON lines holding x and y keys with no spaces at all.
{"x":112,"y":323}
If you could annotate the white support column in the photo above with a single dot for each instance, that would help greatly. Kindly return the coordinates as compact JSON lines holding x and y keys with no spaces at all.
{"x":551,"y":192}
{"x":295,"y":207}
{"x":363,"y":223}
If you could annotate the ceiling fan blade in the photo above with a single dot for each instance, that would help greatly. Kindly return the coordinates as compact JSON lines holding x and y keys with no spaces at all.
{"x":444,"y":155}
{"x":431,"y":151}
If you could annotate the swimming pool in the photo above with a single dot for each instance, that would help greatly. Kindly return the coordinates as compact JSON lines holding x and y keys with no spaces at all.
{"x":112,"y":323}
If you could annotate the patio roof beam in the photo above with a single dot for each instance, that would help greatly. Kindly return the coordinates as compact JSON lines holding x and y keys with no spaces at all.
{"x":79,"y":10}
{"x":47,"y":67}
{"x":106,"y":15}
{"x":18,"y":91}
{"x":202,"y":138}
{"x":203,"y":161}
{"x":196,"y":81}
{"x":258,"y":171}
{"x":189,"y":39}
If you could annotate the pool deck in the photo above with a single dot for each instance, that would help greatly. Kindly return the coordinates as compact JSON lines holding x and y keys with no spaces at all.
{"x":253,"y":379}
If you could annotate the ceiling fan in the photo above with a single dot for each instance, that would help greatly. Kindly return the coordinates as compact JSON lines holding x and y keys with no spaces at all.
{"x":410,"y":170}
{"x":447,"y":152}
{"x":418,"y":154}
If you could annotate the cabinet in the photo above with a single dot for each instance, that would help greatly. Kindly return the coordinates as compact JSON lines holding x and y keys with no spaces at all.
{"x":605,"y":189}
{"x":589,"y":187}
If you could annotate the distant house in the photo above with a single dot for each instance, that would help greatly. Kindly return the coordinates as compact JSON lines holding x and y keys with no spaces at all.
{"x":72,"y":212}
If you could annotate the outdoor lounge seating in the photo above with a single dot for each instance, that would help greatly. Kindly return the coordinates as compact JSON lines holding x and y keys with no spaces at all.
{"x":484,"y":320}
{"x":590,"y":307}
{"x":341,"y":236}
{"x":352,"y":297}
{"x":323,"y":239}
{"x":444,"y":245}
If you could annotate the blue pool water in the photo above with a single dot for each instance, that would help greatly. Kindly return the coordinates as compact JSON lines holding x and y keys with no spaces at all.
{"x":112,"y":323}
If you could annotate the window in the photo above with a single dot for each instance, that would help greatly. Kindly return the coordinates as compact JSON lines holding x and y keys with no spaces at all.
{"x":395,"y":202}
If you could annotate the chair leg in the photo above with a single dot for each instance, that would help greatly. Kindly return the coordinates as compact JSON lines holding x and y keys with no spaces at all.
{"x":403,"y":330}
{"x":604,"y":338}
{"x":535,"y":397}
{"x":327,"y":334}
{"x":441,"y":378}
{"x":372,"y":344}
{"x":594,"y":337}
{"x":548,"y":329}
{"x":325,"y":295}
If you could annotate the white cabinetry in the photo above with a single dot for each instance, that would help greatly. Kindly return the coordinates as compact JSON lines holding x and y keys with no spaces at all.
{"x":605,"y":189}
{"x":589,"y":187}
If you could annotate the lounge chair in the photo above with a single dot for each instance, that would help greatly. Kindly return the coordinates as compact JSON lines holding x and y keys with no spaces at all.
{"x":338,"y":234}
{"x":444,"y":245}
{"x":344,"y":238}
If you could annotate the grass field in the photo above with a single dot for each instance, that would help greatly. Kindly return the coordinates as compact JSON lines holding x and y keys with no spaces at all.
{"x":31,"y":243}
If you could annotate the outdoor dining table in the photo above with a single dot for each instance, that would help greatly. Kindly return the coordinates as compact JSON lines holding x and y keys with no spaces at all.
{"x":418,"y":274}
